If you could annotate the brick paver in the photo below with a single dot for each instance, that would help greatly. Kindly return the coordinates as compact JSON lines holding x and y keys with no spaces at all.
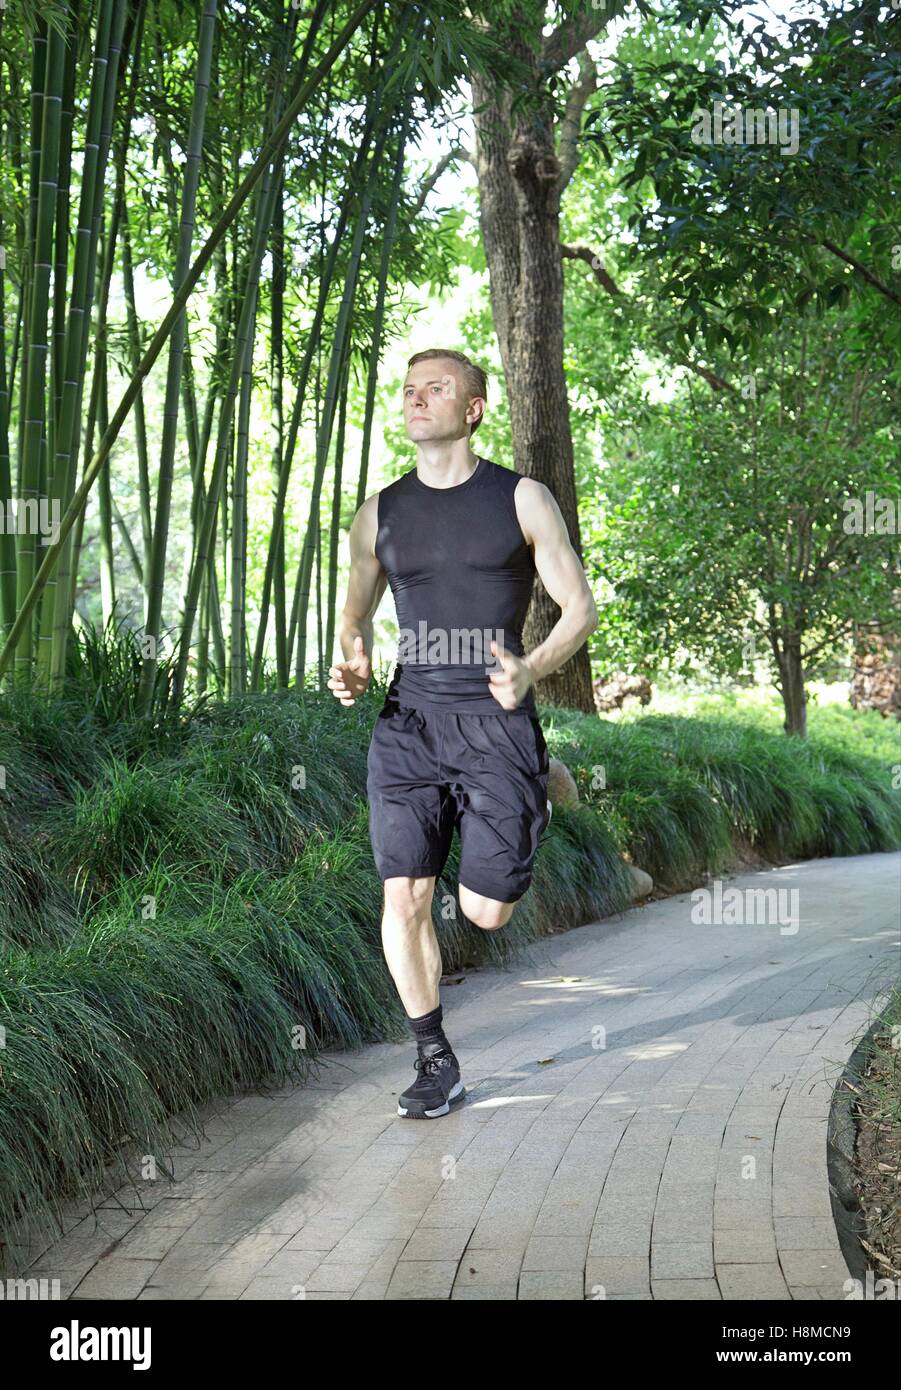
{"x":646,"y":1119}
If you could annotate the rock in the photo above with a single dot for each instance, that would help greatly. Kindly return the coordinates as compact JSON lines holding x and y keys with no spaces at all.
{"x":642,"y":883}
{"x":561,"y":785}
{"x":609,"y":693}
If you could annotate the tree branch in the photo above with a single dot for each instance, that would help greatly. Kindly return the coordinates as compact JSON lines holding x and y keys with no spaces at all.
{"x":717,"y":383}
{"x":861,"y":270}
{"x":585,"y":253}
{"x":570,"y":37}
{"x":839,"y":631}
{"x":571,"y":123}
{"x":428,"y":184}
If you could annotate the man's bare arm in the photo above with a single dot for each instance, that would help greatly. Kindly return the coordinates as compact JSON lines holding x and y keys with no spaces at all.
{"x":367,"y":581}
{"x":561,"y":574}
{"x":365,"y":588}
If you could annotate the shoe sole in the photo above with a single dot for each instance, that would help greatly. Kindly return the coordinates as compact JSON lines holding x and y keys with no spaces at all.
{"x":455,"y":1097}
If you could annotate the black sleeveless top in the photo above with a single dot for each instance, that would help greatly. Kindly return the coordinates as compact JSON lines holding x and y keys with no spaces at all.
{"x":461,"y":573}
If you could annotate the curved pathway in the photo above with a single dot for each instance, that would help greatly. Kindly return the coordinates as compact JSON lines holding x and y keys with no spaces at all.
{"x":646,"y":1118}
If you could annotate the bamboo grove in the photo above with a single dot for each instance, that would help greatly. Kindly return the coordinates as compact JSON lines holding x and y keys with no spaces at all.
{"x":253,"y":158}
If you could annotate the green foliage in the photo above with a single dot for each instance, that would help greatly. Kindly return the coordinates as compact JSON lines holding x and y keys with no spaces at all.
{"x":680,"y":793}
{"x":104,"y":671}
{"x":746,"y":232}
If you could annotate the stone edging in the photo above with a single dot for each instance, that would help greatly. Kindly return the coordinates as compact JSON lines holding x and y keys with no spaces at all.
{"x":841,"y":1133}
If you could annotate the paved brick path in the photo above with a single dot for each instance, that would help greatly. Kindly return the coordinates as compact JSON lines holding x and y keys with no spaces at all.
{"x":646,"y":1119}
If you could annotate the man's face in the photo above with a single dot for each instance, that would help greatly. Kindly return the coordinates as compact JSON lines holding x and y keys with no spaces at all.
{"x":435,"y":401}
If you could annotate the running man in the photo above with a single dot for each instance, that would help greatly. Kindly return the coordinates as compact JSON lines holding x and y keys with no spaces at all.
{"x":457,"y":742}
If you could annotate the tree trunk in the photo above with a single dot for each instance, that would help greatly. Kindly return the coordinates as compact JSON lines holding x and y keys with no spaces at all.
{"x":519,"y":208}
{"x":791,"y":686}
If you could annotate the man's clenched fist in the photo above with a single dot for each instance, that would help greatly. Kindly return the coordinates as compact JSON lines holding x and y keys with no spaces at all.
{"x":350,"y":678}
{"x":510,"y":685}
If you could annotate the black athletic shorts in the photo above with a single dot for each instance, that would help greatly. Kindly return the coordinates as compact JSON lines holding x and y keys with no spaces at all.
{"x":486,"y":774}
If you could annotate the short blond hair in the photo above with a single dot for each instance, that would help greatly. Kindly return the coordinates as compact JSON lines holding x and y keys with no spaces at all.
{"x":474,"y":378}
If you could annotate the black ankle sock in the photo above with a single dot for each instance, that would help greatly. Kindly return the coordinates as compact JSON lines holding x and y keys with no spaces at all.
{"x":427,"y":1029}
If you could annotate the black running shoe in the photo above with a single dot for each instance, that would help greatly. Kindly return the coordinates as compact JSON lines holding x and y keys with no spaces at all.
{"x":437,"y":1087}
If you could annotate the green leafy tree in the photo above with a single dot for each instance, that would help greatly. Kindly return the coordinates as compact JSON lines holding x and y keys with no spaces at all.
{"x":747,"y":217}
{"x":759,"y":529}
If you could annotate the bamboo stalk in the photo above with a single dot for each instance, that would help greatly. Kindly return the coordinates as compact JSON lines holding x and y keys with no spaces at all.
{"x":39,"y":50}
{"x":7,"y":541}
{"x":61,"y":269}
{"x":157,"y":567}
{"x":8,"y":560}
{"x":379,"y":314}
{"x":55,"y":632}
{"x":93,"y":410}
{"x":105,"y":501}
{"x":34,"y":385}
{"x":127,"y":541}
{"x":277,"y":303}
{"x":325,"y":653}
{"x":238,"y":589}
{"x":134,"y":351}
{"x":7,"y":544}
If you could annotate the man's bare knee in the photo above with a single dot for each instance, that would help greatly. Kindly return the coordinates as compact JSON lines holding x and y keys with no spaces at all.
{"x":487,"y":913}
{"x":409,"y":898}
